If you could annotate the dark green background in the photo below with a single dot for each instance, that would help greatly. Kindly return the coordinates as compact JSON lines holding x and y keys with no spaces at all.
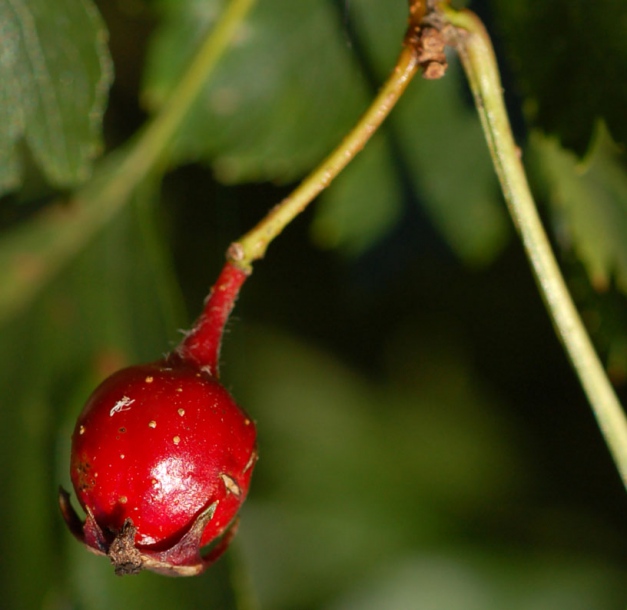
{"x":423,"y":440}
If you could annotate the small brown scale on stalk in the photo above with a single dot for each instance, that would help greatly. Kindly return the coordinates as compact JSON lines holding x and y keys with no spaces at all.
{"x":425,"y":35}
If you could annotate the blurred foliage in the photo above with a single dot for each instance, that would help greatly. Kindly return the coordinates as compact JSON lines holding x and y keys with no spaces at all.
{"x":596,"y":231}
{"x":282,"y":97}
{"x":55,"y":73}
{"x":569,"y":58}
{"x":423,"y":441}
{"x":241,"y":125}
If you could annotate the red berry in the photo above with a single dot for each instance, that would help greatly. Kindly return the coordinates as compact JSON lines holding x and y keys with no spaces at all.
{"x":162,"y":459}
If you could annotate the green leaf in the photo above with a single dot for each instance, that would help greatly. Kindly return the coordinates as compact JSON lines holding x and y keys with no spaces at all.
{"x":569,"y":59}
{"x":451,"y":169}
{"x":280,"y":99}
{"x":33,"y":252}
{"x":181,"y":28}
{"x":590,"y":201}
{"x":54,"y":76}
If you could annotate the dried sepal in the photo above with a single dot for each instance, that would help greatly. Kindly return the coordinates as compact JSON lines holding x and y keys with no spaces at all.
{"x":182,"y":559}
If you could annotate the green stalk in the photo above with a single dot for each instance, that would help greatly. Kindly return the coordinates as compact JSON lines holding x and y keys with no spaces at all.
{"x":472,"y":42}
{"x":253,"y":245}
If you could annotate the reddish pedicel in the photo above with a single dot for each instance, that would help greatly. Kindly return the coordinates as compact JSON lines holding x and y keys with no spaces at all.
{"x":162,"y":456}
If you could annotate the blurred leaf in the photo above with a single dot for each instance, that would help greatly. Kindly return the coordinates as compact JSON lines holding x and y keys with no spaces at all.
{"x":279,"y":100}
{"x":451,"y":168}
{"x":457,"y":579}
{"x":569,"y":57}
{"x":436,"y":136}
{"x":55,"y":72}
{"x":590,"y":199}
{"x":33,"y":252}
{"x":181,"y":28}
{"x":351,"y":471}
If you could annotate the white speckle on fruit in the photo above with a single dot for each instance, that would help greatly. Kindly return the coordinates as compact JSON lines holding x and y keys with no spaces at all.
{"x":124,"y":404}
{"x":231,"y":485}
{"x":152,"y":424}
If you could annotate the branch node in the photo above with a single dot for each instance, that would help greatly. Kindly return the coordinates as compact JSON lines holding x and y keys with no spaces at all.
{"x":425,"y":37}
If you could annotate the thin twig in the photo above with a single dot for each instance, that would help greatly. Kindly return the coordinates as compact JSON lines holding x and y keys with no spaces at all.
{"x":473,"y":44}
{"x":423,"y":48}
{"x":253,"y":245}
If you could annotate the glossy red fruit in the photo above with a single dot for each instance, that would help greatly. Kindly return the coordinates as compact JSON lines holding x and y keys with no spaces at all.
{"x":162,"y":456}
